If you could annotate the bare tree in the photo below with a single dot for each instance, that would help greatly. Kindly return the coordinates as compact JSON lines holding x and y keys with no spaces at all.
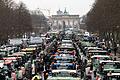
{"x":15,"y":20}
{"x":103,"y":19}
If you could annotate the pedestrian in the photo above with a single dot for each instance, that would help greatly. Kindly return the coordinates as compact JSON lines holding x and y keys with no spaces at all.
{"x":23,"y":70}
{"x":13,"y":75}
{"x":33,"y":69}
{"x":95,"y":71}
{"x":20,"y":74}
{"x":115,"y":48}
{"x":98,"y":77}
{"x":45,"y":75}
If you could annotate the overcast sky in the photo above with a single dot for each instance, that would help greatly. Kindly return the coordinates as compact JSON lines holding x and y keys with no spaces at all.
{"x":80,"y":7}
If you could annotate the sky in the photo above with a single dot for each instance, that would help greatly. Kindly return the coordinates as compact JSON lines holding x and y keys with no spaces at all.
{"x":80,"y":7}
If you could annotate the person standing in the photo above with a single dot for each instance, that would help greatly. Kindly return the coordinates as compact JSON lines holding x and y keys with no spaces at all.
{"x":23,"y":70}
{"x":115,"y":48}
{"x":20,"y":74}
{"x":13,"y":75}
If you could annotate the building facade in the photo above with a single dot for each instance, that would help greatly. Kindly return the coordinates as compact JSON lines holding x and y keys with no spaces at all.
{"x":70,"y":21}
